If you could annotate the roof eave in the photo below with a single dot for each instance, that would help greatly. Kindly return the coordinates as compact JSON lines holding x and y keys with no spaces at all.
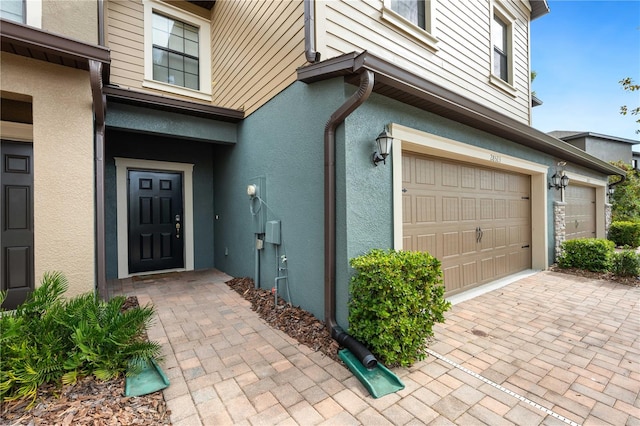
{"x":410,"y":88}
{"x":539,"y":8}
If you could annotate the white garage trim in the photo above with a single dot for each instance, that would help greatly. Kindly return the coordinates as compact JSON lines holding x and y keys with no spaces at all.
{"x":406,"y":138}
{"x":122,"y":165}
{"x":601,"y":198}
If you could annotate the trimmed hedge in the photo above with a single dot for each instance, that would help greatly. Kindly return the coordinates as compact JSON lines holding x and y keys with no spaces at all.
{"x":625,"y":234}
{"x":396,"y":297}
{"x":626,"y":263}
{"x":592,"y":254}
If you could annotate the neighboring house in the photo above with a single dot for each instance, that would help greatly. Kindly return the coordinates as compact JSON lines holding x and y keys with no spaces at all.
{"x":635,"y":160}
{"x":606,"y":148}
{"x":239,"y":132}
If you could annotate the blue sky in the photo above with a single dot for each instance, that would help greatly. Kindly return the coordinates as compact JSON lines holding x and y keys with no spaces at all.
{"x":581,"y":50}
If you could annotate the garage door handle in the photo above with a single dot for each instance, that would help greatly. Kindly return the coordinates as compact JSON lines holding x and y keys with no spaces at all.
{"x":479,"y":234}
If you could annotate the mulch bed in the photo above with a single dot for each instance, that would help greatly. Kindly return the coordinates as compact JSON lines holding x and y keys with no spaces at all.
{"x":296,"y":322}
{"x":606,"y":276}
{"x":88,"y":402}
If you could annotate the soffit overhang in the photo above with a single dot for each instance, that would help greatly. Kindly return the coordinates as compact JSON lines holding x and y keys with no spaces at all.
{"x":45,"y":46}
{"x":164,"y":103}
{"x":404,"y":86}
{"x":539,"y":8}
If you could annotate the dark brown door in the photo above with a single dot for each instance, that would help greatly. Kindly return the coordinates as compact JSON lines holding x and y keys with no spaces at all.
{"x":155,"y":221}
{"x":16,"y":216}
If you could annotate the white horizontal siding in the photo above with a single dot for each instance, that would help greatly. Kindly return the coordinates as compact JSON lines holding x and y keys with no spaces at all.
{"x":462,"y":62}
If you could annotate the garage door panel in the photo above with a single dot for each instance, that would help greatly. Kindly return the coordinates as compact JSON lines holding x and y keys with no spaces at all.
{"x":407,"y":210}
{"x":426,"y":243}
{"x":407,"y":244}
{"x":469,"y":244}
{"x":468,"y":208}
{"x":450,"y":209}
{"x":450,"y":244}
{"x":451,"y":201}
{"x":580,"y":213}
{"x":425,"y":209}
{"x":469,"y":274}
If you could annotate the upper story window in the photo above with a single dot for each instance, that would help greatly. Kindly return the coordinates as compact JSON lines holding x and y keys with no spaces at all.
{"x":412,"y":10}
{"x":415,"y":18}
{"x":177,"y":51}
{"x":499,"y":41}
{"x":22,"y":11}
{"x":502,"y":56}
{"x":13,"y":10}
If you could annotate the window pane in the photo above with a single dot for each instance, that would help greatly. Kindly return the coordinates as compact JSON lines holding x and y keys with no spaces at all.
{"x":191,"y":65}
{"x":191,"y":33}
{"x":160,"y":57}
{"x":191,"y":81}
{"x":191,"y":48}
{"x":412,"y":10}
{"x":12,"y":10}
{"x":176,"y":62}
{"x":176,"y":78}
{"x":160,"y":73}
{"x":160,"y":38}
{"x":500,"y":65}
{"x":176,"y":43}
{"x":161,"y":22}
{"x":177,"y":29}
{"x":499,"y":34}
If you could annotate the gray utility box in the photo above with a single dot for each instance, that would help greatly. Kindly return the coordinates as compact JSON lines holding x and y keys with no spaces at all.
{"x":272,"y":232}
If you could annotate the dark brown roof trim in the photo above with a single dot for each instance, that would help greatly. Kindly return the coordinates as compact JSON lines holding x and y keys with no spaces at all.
{"x":406,"y":87}
{"x":149,"y":100}
{"x":539,"y":8}
{"x":42,"y":45}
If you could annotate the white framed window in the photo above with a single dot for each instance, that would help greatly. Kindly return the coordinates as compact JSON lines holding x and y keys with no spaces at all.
{"x":502,"y":23}
{"x":415,"y":18}
{"x":177,"y":51}
{"x":22,"y":11}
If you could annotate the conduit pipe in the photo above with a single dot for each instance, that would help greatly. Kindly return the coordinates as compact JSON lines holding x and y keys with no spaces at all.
{"x":358,"y":349}
{"x":309,"y":32}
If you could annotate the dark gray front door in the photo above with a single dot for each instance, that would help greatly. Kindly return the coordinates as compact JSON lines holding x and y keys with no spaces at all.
{"x":155,"y":221}
{"x":16,"y":216}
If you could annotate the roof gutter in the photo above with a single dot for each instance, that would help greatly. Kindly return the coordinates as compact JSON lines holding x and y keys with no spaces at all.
{"x":309,"y":31}
{"x":350,"y":105}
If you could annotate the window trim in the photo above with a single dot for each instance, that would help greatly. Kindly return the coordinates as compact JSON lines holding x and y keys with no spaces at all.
{"x":426,"y":36}
{"x":499,"y":10}
{"x":204,"y":52}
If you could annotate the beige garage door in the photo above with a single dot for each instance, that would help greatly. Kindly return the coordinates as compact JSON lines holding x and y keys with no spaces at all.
{"x":476,"y":220}
{"x":580,"y":219}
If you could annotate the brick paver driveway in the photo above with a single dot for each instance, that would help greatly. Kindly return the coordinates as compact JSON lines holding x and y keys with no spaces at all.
{"x":547,"y":349}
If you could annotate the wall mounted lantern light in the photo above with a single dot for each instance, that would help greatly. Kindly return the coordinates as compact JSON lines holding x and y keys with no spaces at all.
{"x":383,"y":141}
{"x":559,"y":180}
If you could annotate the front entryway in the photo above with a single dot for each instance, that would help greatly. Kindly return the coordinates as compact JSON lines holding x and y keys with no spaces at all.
{"x":156,"y":221}
{"x":16,"y":216}
{"x":475,"y":220}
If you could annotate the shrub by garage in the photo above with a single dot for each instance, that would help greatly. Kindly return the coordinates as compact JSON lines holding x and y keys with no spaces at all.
{"x":396,"y":298}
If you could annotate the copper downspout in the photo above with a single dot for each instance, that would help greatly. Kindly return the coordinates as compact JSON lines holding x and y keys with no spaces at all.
{"x":99,"y":107}
{"x":357,"y":99}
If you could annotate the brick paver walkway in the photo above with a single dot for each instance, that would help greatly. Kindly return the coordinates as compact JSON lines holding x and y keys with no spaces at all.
{"x":548,"y":349}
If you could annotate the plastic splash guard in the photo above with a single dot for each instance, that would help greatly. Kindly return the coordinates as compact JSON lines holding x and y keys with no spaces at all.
{"x":149,"y":380}
{"x":379,"y":382}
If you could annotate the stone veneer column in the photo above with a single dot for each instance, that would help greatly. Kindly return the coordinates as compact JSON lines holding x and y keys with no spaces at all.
{"x":607,"y":219}
{"x":559,"y":226}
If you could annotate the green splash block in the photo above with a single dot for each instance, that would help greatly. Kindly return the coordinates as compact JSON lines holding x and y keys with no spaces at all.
{"x":150,"y":379}
{"x":379,"y":382}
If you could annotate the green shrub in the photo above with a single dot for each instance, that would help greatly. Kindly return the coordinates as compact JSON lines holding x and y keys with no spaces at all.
{"x":592,"y":254}
{"x":626,"y":263}
{"x":396,"y":297}
{"x":50,"y":340}
{"x":625,"y":233}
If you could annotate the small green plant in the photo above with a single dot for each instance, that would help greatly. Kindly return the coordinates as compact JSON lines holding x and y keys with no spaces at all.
{"x":592,"y":254}
{"x":50,"y":340}
{"x":625,"y":233}
{"x":396,"y":297}
{"x":626,"y":263}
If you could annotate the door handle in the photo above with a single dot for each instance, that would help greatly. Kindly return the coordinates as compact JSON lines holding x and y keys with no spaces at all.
{"x":177,"y":220}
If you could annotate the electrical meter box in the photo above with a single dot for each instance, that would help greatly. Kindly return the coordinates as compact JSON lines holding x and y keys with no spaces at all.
{"x":272,"y":232}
